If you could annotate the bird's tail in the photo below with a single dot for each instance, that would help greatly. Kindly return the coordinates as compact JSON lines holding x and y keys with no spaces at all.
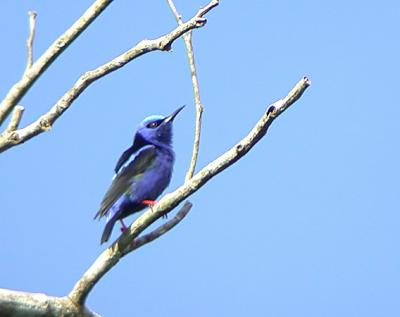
{"x":107,"y":230}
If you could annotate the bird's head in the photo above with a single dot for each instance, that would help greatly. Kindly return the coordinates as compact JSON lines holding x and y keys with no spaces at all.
{"x":157,"y":129}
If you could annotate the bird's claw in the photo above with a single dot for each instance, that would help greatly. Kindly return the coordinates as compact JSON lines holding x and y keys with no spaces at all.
{"x":150,"y":203}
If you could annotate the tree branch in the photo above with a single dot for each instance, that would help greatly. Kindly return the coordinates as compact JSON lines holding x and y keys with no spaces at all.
{"x":163,"y":43}
{"x":85,"y":284}
{"x":29,"y":43}
{"x":164,"y":228}
{"x":118,"y":249}
{"x":59,"y":45}
{"x":196,"y":91}
{"x":22,"y":304}
{"x":13,"y":303}
{"x":18,"y":304}
{"x":15,"y":119}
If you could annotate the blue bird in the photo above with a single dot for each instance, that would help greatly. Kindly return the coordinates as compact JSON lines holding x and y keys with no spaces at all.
{"x":142,"y":173}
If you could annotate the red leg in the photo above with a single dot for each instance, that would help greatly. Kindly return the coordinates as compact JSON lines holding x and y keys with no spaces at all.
{"x":150,"y":203}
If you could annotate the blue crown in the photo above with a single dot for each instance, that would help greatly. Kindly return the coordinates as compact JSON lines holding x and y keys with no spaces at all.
{"x":154,"y":117}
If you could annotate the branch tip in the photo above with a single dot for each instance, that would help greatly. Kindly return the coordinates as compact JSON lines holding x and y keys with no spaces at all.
{"x":200,"y":22}
{"x":32,"y":14}
{"x":55,"y":112}
{"x":29,"y":42}
{"x":34,"y":71}
{"x":195,"y":83}
{"x":208,"y":7}
{"x":15,"y":121}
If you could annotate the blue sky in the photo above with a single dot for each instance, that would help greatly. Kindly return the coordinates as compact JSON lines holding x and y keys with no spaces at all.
{"x":307,"y":224}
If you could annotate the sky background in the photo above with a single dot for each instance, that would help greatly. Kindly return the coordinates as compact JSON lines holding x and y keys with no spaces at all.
{"x":307,"y":224}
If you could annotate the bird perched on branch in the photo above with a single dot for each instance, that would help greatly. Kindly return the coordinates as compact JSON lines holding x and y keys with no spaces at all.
{"x":142,"y":173}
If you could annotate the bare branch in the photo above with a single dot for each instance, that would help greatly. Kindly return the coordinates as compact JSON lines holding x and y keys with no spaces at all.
{"x":196,"y":91}
{"x":164,"y":228}
{"x":177,"y":16}
{"x":59,"y":45}
{"x":45,"y":122}
{"x":15,"y":119}
{"x":116,"y":251}
{"x":83,"y":287}
{"x":170,"y":201}
{"x":22,"y":304}
{"x":199,"y":109}
{"x":208,"y":7}
{"x":14,"y":303}
{"x":29,"y":43}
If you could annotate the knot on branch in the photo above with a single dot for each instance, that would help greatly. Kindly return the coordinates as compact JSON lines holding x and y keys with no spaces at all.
{"x":200,"y":21}
{"x":87,"y":77}
{"x":14,"y":137}
{"x":239,"y":148}
{"x":271,"y":111}
{"x":45,"y":124}
{"x":167,"y":47}
{"x":61,"y":42}
{"x":307,"y":80}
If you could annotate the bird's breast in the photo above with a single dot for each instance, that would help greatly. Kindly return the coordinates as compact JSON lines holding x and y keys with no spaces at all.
{"x":153,"y":182}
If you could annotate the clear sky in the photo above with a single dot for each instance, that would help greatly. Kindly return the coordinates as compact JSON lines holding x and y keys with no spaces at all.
{"x":307,"y":224}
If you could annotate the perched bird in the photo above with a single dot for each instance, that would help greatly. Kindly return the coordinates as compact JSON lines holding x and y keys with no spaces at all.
{"x":142,"y":172}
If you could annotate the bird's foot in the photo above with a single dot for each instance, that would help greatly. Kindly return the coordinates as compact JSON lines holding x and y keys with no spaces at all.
{"x":123,"y":226}
{"x":150,"y":203}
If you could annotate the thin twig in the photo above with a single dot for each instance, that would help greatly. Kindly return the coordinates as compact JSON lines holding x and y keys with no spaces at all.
{"x":19,"y":89}
{"x":15,"y":119}
{"x":158,"y":232}
{"x":196,"y":91}
{"x":45,"y":122}
{"x":178,"y":17}
{"x":29,"y":42}
{"x":110,"y":257}
{"x":199,"y":110}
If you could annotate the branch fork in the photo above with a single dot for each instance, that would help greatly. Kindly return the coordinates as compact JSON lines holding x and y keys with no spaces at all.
{"x":123,"y":245}
{"x":73,"y":305}
{"x":146,"y":46}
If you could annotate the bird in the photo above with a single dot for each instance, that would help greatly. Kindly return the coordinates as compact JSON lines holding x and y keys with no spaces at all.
{"x":142,"y":172}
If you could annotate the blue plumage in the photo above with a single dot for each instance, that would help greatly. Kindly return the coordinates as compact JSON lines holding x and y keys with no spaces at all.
{"x":142,"y":173}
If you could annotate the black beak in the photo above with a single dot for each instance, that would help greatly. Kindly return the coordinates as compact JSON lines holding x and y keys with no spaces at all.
{"x":172,"y":116}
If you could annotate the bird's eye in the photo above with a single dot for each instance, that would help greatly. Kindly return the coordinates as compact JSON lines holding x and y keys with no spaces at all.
{"x":153,"y":124}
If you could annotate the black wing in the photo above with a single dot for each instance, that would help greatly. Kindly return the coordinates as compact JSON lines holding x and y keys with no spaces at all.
{"x":140,"y":162}
{"x":124,"y":157}
{"x":138,"y":143}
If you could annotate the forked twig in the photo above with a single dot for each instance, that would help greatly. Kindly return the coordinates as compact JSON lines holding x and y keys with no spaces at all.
{"x":196,"y":91}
